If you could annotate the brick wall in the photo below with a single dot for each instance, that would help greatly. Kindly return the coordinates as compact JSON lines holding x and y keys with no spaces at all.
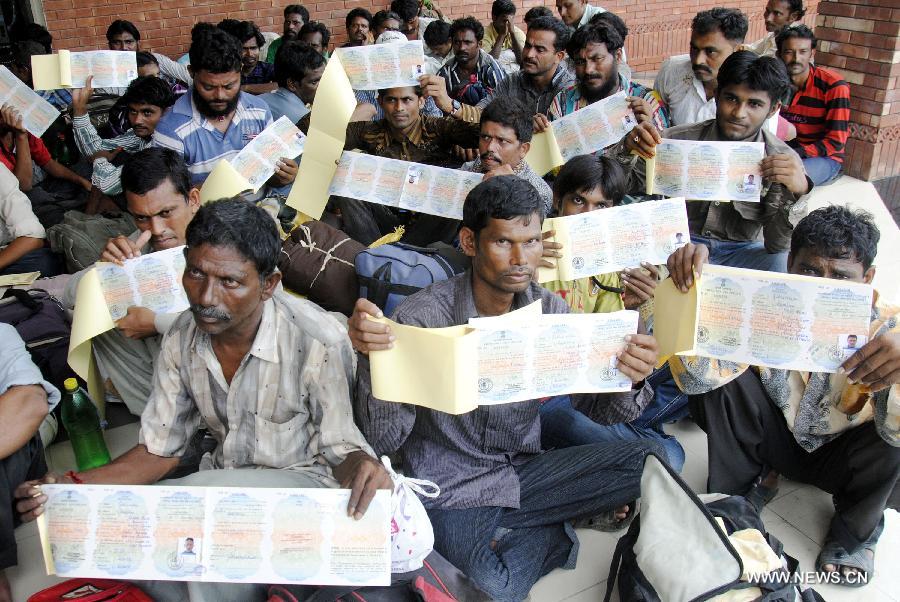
{"x":861,"y":41}
{"x":659,"y":28}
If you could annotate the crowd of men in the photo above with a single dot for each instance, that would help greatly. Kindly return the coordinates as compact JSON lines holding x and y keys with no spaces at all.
{"x":278,"y":392}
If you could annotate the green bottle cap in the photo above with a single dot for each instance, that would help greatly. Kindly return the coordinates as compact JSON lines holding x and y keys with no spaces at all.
{"x":70,"y":384}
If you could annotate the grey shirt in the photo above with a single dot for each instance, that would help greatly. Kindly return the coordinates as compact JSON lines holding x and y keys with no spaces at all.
{"x":472,"y":457}
{"x":518,"y":86}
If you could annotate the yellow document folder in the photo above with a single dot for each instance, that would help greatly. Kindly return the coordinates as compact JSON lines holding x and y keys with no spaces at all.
{"x":51,"y":71}
{"x":675,"y":319}
{"x":544,"y":154}
{"x":223,"y":182}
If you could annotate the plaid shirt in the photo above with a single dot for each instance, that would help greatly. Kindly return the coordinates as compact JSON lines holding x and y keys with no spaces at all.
{"x":287,"y":406}
{"x":263,"y":73}
{"x":571,"y":100}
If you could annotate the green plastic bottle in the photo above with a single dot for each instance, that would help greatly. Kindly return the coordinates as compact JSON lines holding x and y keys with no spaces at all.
{"x":80,"y":417}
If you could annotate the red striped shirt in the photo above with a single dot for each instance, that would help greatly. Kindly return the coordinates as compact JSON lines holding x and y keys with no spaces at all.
{"x":821,"y":114}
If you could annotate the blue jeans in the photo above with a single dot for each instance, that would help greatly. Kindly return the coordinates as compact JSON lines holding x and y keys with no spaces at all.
{"x":555,"y":488}
{"x":42,"y":260}
{"x":669,"y":403}
{"x":563,"y":426}
{"x":821,"y":170}
{"x":748,"y":254}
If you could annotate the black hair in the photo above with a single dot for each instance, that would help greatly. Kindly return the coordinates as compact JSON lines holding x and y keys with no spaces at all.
{"x":357,"y":12}
{"x":246,"y":30}
{"x":189,"y":539}
{"x":795,"y":31}
{"x":562,"y":31}
{"x":796,"y":6}
{"x":241,"y":225}
{"x":146,"y":170}
{"x":584,"y":173}
{"x":417,"y":89}
{"x":406,"y":9}
{"x":316,"y":27}
{"x":145,"y":58}
{"x":467,"y":24}
{"x":613,"y":19}
{"x":24,"y":50}
{"x":501,"y":197}
{"x":535,"y":12}
{"x":502,"y":7}
{"x":437,"y":32}
{"x":765,"y":73}
{"x":838,"y":232}
{"x":120,"y":26}
{"x":384,"y":15}
{"x":511,"y":112}
{"x":730,"y":21}
{"x":296,"y":9}
{"x":230,"y":26}
{"x":34,"y":32}
{"x":599,"y":33}
{"x":149,"y":90}
{"x":294,"y":60}
{"x":215,"y":51}
{"x":200,"y":29}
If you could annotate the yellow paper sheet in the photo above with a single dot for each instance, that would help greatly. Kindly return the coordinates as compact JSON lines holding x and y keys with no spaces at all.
{"x":90,"y":319}
{"x":331,"y":112}
{"x":560,"y":236}
{"x":434,"y":368}
{"x":46,"y":550}
{"x":544,"y":154}
{"x":19,"y":279}
{"x":675,"y":319}
{"x":51,"y":71}
{"x":649,"y":173}
{"x":223,"y":182}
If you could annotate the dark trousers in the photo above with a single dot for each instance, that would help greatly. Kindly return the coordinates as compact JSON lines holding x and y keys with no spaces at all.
{"x":747,"y":432}
{"x":23,"y":465}
{"x":367,"y":222}
{"x":555,"y":488}
{"x":41,"y":260}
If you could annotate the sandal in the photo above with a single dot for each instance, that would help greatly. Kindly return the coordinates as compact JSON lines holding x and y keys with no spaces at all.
{"x":834,"y":553}
{"x":607,"y":521}
{"x":760,"y":494}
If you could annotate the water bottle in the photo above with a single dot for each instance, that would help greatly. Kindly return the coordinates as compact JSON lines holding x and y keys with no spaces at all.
{"x":80,"y":417}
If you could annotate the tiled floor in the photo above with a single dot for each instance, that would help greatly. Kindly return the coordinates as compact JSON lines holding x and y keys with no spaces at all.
{"x":798,"y":517}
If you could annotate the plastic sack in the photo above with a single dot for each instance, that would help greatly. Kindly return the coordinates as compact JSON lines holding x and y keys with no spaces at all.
{"x":412,"y":537}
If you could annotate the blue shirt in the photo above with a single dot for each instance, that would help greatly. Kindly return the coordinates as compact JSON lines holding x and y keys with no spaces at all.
{"x":282,"y":102}
{"x":184,"y":130}
{"x":16,"y":367}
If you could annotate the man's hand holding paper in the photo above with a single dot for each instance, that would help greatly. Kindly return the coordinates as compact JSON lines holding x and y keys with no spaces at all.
{"x":684,"y":263}
{"x":366,"y":334}
{"x":121,"y":247}
{"x":877,"y":363}
{"x":786,"y":169}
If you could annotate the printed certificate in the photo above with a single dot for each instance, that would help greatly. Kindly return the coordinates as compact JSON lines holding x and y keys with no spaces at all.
{"x":37,"y":113}
{"x":764,"y":319}
{"x":707,"y":171}
{"x":224,"y":534}
{"x":256,"y":161}
{"x":380,"y":66}
{"x":609,"y":240}
{"x":152,"y":281}
{"x":110,"y":68}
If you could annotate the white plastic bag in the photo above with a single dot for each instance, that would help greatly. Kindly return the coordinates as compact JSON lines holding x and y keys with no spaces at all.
{"x":412,"y":537}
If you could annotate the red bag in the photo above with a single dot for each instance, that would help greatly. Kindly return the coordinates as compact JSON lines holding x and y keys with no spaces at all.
{"x":91,"y":590}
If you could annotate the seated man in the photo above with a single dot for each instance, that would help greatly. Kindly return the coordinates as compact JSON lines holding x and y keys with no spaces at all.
{"x":358,"y":22}
{"x":472,"y":74}
{"x":577,"y":13}
{"x":25,"y":400}
{"x":216,"y":120}
{"x":404,"y":134}
{"x":122,"y":35}
{"x":278,"y":367}
{"x":505,"y":510}
{"x":295,"y":16}
{"x":505,"y":139}
{"x":384,"y":20}
{"x":22,"y":236}
{"x":316,"y":34}
{"x":159,"y":197}
{"x":819,"y":107}
{"x":839,"y":432}
{"x":740,"y":234}
{"x":147,"y":98}
{"x":298,"y":69}
{"x":256,"y":75}
{"x":438,"y":47}
{"x":777,"y":15}
{"x":503,"y":40}
{"x":51,"y":187}
{"x":412,"y":25}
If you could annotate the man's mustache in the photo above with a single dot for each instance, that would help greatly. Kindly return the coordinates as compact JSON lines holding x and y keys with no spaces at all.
{"x":210,"y":312}
{"x":490,"y":155}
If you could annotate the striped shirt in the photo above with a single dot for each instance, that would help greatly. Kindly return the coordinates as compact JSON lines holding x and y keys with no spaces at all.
{"x":482,"y":81}
{"x":184,"y":130}
{"x":287,"y":406}
{"x":472,"y":457}
{"x":106,"y":176}
{"x":571,"y":100}
{"x":821,"y":114}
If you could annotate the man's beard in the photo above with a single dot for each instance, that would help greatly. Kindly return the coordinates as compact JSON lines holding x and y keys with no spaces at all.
{"x":609,"y":86}
{"x":208,"y":111}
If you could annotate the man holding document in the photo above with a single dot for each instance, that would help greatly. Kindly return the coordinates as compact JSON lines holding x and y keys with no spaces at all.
{"x":838,"y":431}
{"x":749,"y":91}
{"x":505,"y":513}
{"x":267,"y":373}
